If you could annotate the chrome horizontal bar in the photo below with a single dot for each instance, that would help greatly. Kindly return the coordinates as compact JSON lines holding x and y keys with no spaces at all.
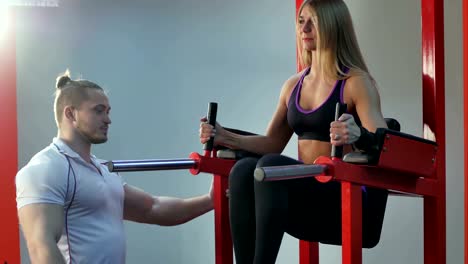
{"x":287,"y":172}
{"x":149,"y":165}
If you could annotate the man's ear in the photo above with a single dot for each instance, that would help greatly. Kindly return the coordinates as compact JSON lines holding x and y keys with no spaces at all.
{"x":69,"y":112}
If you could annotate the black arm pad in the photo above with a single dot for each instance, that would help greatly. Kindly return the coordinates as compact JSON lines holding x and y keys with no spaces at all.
{"x":367,"y":142}
{"x":239,"y":153}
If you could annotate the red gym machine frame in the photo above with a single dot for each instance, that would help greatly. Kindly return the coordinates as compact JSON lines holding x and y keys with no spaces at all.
{"x":433,"y":114}
{"x":465,"y":117}
{"x":9,"y":228}
{"x":433,"y":76}
{"x":425,"y":176}
{"x":418,"y":177}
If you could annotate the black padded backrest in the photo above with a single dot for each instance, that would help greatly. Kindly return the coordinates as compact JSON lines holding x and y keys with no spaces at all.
{"x":393,"y":124}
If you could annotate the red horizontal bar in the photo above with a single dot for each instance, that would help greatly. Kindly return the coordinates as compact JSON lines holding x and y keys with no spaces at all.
{"x":408,"y":155}
{"x":212,"y":165}
{"x":374,"y":176}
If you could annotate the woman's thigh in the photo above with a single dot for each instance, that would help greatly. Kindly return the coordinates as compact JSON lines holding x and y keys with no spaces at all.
{"x":314,"y":210}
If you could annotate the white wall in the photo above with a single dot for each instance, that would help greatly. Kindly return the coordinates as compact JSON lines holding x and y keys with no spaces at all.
{"x":163,"y":61}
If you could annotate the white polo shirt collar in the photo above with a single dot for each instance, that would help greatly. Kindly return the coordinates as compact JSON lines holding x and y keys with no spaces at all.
{"x":65,"y":149}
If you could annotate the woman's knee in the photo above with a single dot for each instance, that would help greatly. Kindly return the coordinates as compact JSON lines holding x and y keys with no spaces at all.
{"x":242,"y":172}
{"x":274,"y":159}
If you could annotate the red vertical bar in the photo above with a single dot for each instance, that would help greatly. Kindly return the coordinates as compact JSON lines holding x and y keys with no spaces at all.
{"x":223,"y":242}
{"x":298,"y":5}
{"x":465,"y":115}
{"x":308,"y":251}
{"x":432,"y":13}
{"x":9,"y":238}
{"x":351,"y":214}
{"x":298,"y":52}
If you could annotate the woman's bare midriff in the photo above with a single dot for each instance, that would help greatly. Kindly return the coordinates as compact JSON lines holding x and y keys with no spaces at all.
{"x":309,"y":150}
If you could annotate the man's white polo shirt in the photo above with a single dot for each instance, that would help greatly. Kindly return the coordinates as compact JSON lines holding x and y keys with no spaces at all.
{"x":92,"y":200}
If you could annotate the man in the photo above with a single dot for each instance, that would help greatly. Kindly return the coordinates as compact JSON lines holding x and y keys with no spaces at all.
{"x":70,"y":207}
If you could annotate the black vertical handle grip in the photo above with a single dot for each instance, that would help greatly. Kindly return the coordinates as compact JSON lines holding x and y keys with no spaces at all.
{"x":337,"y":152}
{"x":211,"y":115}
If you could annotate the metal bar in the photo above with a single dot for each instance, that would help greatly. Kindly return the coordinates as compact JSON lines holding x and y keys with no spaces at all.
{"x":223,"y":241}
{"x":150,"y":165}
{"x":432,"y":18}
{"x":351,"y":218}
{"x":308,"y":252}
{"x":465,"y":117}
{"x":373,"y":176}
{"x":287,"y":172}
{"x":408,"y":155}
{"x":9,"y":240}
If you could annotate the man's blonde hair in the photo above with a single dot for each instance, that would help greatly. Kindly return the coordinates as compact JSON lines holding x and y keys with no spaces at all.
{"x":70,"y":92}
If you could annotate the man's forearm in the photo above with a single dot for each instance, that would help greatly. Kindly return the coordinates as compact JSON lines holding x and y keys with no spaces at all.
{"x":174,"y":211}
{"x":197,"y":206}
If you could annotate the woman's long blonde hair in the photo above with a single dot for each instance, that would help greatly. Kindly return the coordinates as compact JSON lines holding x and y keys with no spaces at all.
{"x":337,"y":46}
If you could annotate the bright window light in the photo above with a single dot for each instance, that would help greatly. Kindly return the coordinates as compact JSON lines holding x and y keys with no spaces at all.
{"x":4,"y":18}
{"x":5,"y":5}
{"x":44,"y":3}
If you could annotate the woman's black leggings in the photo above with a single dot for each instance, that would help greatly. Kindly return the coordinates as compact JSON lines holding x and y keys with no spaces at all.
{"x":260,"y":212}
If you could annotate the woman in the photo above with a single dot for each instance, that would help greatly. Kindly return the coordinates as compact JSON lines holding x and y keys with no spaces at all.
{"x":260,"y":212}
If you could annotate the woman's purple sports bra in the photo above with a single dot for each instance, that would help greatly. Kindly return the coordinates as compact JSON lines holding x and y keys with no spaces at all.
{"x":314,"y":124}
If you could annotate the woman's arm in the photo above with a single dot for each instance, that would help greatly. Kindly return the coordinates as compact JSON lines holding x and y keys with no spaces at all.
{"x":364,"y":97}
{"x":274,"y":141}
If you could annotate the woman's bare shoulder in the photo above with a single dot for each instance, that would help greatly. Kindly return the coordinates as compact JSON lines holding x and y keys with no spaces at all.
{"x":290,"y":83}
{"x":360,"y":82}
{"x":362,"y":87}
